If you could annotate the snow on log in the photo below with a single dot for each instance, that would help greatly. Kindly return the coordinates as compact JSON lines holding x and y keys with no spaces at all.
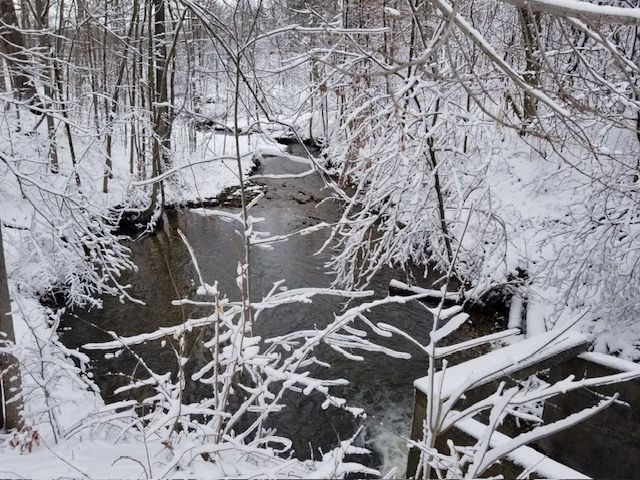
{"x":515,"y":311}
{"x":611,"y":362}
{"x":405,"y":287}
{"x":276,"y":152}
{"x":504,"y":361}
{"x":535,"y":319}
{"x":512,"y":333}
{"x":524,"y":456}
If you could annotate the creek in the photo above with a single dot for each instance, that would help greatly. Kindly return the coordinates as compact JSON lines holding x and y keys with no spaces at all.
{"x":380,"y":384}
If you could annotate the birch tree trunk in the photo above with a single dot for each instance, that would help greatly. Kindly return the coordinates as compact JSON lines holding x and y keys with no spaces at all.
{"x":530,"y":25}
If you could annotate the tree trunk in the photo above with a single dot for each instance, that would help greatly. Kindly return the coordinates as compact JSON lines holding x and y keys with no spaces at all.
{"x":112,"y":110}
{"x":12,"y":44}
{"x":10,"y":380}
{"x":46,"y":47}
{"x":161,"y":109}
{"x":530,"y":23}
{"x":158,"y":107}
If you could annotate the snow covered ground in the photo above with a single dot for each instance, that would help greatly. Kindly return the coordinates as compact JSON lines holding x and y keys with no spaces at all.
{"x":86,"y":455}
{"x":551,"y":213}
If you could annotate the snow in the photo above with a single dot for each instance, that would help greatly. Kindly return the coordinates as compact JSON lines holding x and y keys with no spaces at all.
{"x":583,"y":9}
{"x":535,"y":319}
{"x":535,"y":215}
{"x":68,"y":435}
{"x":609,"y":361}
{"x":501,"y":362}
{"x":271,"y":151}
{"x":83,"y":457}
{"x":528,"y":458}
{"x":532,"y":196}
{"x":488,"y":49}
{"x":392,"y":12}
{"x":429,"y":292}
{"x":511,"y":335}
{"x":515,"y":311}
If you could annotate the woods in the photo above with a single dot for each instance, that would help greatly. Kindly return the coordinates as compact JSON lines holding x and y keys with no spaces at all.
{"x":488,"y":151}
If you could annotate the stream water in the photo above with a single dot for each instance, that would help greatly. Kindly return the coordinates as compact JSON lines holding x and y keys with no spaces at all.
{"x":381,"y":385}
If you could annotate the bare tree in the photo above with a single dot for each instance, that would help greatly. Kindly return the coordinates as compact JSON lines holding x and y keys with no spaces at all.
{"x":13,"y":46}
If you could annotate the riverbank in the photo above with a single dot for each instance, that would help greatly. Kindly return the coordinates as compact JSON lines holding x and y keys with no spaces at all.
{"x":518,"y":214}
{"x":36,"y":203}
{"x":66,"y":432}
{"x":381,"y":385}
{"x":59,"y":379}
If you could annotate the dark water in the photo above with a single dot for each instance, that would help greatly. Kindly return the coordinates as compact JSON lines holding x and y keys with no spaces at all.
{"x":381,"y":385}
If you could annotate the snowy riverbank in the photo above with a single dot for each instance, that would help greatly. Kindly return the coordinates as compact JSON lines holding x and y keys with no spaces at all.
{"x":70,"y":431}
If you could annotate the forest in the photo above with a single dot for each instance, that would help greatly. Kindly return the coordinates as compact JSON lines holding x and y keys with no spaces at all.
{"x":240,"y":238}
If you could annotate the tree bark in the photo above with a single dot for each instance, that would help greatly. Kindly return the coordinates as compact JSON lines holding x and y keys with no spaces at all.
{"x":158,"y":101}
{"x":10,"y":380}
{"x":530,"y":24}
{"x":12,"y":44}
{"x":48,"y":103}
{"x":162,"y":125}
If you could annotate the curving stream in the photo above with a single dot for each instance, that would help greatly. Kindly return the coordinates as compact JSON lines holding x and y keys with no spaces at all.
{"x":381,"y":385}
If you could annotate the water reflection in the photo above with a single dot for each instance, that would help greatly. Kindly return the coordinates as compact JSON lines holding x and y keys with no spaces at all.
{"x":381,"y":385}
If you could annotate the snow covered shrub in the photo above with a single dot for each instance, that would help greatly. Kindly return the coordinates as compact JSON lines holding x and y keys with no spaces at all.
{"x":61,"y":236}
{"x":413,"y":183}
{"x":83,"y":259}
{"x":453,"y":399}
{"x":244,"y":379}
{"x":525,"y":139}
